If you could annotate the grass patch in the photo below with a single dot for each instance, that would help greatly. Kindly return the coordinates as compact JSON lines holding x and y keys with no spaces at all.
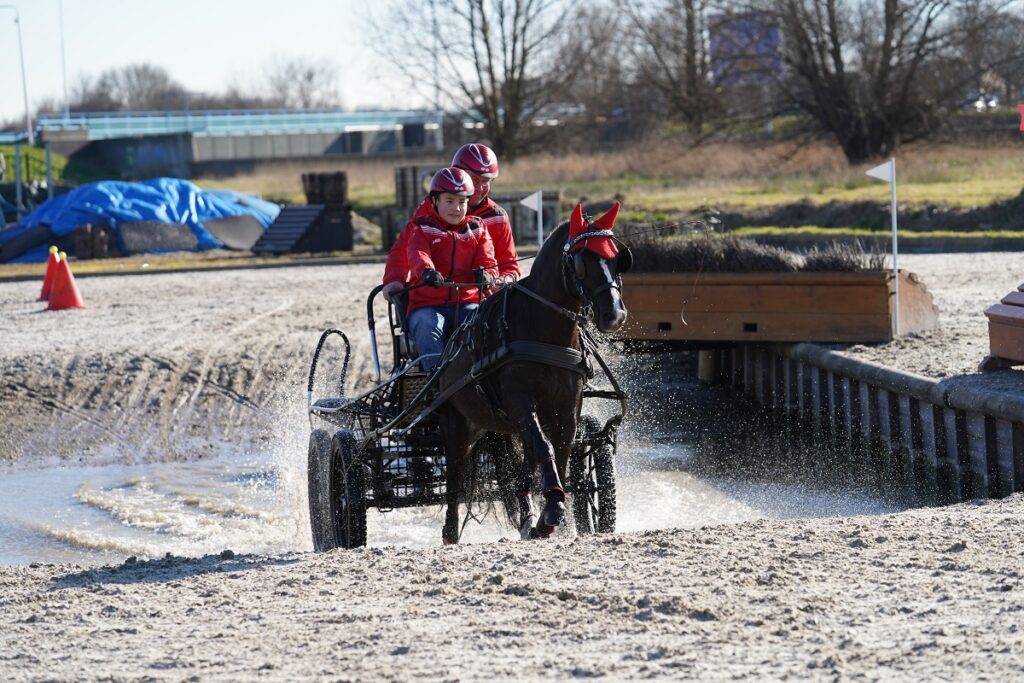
{"x":817,"y":231}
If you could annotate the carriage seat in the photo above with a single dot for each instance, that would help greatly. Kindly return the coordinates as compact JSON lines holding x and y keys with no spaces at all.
{"x":406,"y":345}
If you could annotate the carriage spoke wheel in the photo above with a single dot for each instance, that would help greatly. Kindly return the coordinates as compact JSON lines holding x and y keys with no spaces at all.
{"x":592,"y":473}
{"x":337,"y":491}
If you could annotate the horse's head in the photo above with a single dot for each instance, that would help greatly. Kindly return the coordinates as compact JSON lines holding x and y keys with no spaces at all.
{"x":594,"y":261}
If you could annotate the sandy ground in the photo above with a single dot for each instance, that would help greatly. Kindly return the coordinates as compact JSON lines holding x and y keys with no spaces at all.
{"x":963,"y":286}
{"x":928,"y":594}
{"x":163,"y":366}
{"x":159,"y":366}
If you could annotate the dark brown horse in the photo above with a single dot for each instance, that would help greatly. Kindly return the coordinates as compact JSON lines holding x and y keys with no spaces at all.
{"x":536,"y":393}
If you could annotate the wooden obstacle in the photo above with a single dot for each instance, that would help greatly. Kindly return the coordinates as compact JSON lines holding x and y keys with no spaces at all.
{"x":934,"y":441}
{"x":706,"y":308}
{"x":1005,"y":332}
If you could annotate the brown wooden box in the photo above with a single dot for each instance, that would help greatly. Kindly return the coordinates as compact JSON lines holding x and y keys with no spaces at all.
{"x":778,"y":307}
{"x":1006,"y":328}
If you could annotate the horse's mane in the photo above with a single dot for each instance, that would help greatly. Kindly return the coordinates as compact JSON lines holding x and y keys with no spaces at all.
{"x":551,"y":251}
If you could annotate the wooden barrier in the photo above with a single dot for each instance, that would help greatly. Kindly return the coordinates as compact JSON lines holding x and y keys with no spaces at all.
{"x":762,"y":307}
{"x":916,"y":438}
{"x":1006,"y":332}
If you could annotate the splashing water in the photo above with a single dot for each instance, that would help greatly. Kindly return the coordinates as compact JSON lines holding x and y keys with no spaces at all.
{"x":257,"y":504}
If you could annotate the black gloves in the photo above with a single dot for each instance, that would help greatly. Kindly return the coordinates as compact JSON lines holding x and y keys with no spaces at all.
{"x":432,"y":278}
{"x":483,"y":278}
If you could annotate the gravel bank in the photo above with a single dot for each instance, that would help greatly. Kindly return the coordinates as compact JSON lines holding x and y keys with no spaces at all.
{"x":926,"y":594}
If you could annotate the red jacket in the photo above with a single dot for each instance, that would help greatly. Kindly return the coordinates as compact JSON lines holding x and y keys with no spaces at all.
{"x":495,"y":220}
{"x":453,"y":251}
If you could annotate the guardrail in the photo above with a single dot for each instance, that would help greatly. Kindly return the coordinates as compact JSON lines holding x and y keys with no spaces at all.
{"x":935,"y":441}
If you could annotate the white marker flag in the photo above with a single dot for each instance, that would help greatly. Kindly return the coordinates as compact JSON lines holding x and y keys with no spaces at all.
{"x":886,"y":171}
{"x":534,"y":201}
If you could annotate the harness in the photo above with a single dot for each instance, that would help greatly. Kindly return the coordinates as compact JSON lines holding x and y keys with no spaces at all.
{"x":516,"y":351}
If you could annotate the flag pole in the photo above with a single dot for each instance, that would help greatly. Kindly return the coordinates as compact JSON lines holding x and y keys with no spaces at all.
{"x":895,"y":246}
{"x":540,"y":218}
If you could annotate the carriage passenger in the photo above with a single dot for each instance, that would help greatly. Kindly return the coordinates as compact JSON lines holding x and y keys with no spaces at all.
{"x":446,"y":244}
{"x":481,"y":163}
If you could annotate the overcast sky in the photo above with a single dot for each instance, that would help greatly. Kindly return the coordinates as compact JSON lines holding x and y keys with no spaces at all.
{"x":205,"y":44}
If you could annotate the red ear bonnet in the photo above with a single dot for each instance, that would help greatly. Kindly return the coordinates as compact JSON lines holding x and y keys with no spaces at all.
{"x":603,"y":246}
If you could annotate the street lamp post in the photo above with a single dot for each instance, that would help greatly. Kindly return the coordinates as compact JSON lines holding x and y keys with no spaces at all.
{"x":24,"y":85}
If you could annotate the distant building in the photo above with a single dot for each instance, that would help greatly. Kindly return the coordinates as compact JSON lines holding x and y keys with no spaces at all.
{"x":188,"y":143}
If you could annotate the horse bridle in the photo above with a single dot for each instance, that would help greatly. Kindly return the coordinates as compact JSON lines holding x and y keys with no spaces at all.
{"x":574,"y":268}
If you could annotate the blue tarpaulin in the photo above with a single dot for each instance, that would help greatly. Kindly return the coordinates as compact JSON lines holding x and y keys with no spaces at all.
{"x":168,"y":200}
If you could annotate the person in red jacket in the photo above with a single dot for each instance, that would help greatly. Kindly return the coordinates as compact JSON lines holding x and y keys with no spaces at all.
{"x":482,"y":165}
{"x":446,"y":244}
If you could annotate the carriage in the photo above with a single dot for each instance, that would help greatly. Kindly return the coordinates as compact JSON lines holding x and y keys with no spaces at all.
{"x":383,"y":449}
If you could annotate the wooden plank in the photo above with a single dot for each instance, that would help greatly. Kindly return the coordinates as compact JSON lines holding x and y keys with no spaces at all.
{"x":761,"y":298}
{"x":953,"y":437}
{"x":977,"y":456}
{"x":1006,"y":341}
{"x":1013,"y":299}
{"x":759,"y":327}
{"x":918,"y":312}
{"x":1004,"y":458}
{"x":1007,"y":315}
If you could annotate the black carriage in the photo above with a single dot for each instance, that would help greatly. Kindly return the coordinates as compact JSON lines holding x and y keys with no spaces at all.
{"x":383,"y":449}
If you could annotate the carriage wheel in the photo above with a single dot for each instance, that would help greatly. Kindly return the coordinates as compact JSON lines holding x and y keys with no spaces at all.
{"x":337,"y":503}
{"x":592,"y":473}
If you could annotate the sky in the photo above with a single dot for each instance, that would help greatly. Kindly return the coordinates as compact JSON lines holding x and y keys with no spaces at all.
{"x":204,"y":44}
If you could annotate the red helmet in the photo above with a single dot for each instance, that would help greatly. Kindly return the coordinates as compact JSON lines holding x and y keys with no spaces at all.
{"x":452,"y":181}
{"x":477,"y":159}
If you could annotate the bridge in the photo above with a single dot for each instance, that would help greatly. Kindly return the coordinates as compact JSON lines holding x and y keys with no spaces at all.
{"x":189,"y":142}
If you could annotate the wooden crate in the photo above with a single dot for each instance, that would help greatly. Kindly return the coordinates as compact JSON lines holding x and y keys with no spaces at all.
{"x":777,"y":307}
{"x":1006,"y":331}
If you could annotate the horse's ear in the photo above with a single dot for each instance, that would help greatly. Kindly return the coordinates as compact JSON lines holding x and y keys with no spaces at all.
{"x":577,"y":226}
{"x":607,"y":221}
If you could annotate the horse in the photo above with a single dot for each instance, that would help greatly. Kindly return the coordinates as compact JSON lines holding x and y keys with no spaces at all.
{"x":530,"y":330}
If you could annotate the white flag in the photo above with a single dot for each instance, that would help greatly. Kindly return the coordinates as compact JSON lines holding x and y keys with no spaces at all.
{"x":884,"y":172}
{"x":534,"y":201}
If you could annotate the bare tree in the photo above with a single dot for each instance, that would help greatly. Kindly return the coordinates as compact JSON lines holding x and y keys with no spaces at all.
{"x":508,"y":63}
{"x":302,"y":83}
{"x":670,"y":54}
{"x":873,"y":74}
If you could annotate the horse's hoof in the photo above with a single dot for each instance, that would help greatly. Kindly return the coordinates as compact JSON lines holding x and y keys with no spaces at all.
{"x":553,"y":515}
{"x":541,"y":531}
{"x":526,"y":528}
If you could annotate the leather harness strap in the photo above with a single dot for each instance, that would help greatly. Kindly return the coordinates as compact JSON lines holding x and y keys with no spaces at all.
{"x":512,"y":352}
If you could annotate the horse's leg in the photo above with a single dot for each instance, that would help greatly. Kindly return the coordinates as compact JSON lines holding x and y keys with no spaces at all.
{"x":457,"y":443}
{"x":540,"y":453}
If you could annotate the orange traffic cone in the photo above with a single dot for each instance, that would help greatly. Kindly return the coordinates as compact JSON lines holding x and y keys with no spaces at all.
{"x":65,"y":292}
{"x":51,"y":271}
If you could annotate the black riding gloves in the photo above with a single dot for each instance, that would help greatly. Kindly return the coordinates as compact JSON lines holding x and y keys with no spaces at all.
{"x":432,"y":278}
{"x":482,"y":278}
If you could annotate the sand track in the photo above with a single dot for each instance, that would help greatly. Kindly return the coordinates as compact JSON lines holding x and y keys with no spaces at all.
{"x":927,"y":594}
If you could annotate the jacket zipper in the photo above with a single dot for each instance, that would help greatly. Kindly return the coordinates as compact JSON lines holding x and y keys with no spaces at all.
{"x":451,"y":269}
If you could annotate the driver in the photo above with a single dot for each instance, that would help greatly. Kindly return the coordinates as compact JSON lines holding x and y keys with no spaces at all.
{"x":446,"y":243}
{"x":481,"y":163}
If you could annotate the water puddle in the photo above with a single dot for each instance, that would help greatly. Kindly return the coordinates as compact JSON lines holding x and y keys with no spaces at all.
{"x":255,"y":504}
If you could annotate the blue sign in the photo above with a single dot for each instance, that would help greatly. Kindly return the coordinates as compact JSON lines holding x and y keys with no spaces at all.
{"x":744,"y":48}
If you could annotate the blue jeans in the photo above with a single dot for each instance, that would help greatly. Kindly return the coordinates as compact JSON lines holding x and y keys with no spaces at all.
{"x":431,"y":325}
